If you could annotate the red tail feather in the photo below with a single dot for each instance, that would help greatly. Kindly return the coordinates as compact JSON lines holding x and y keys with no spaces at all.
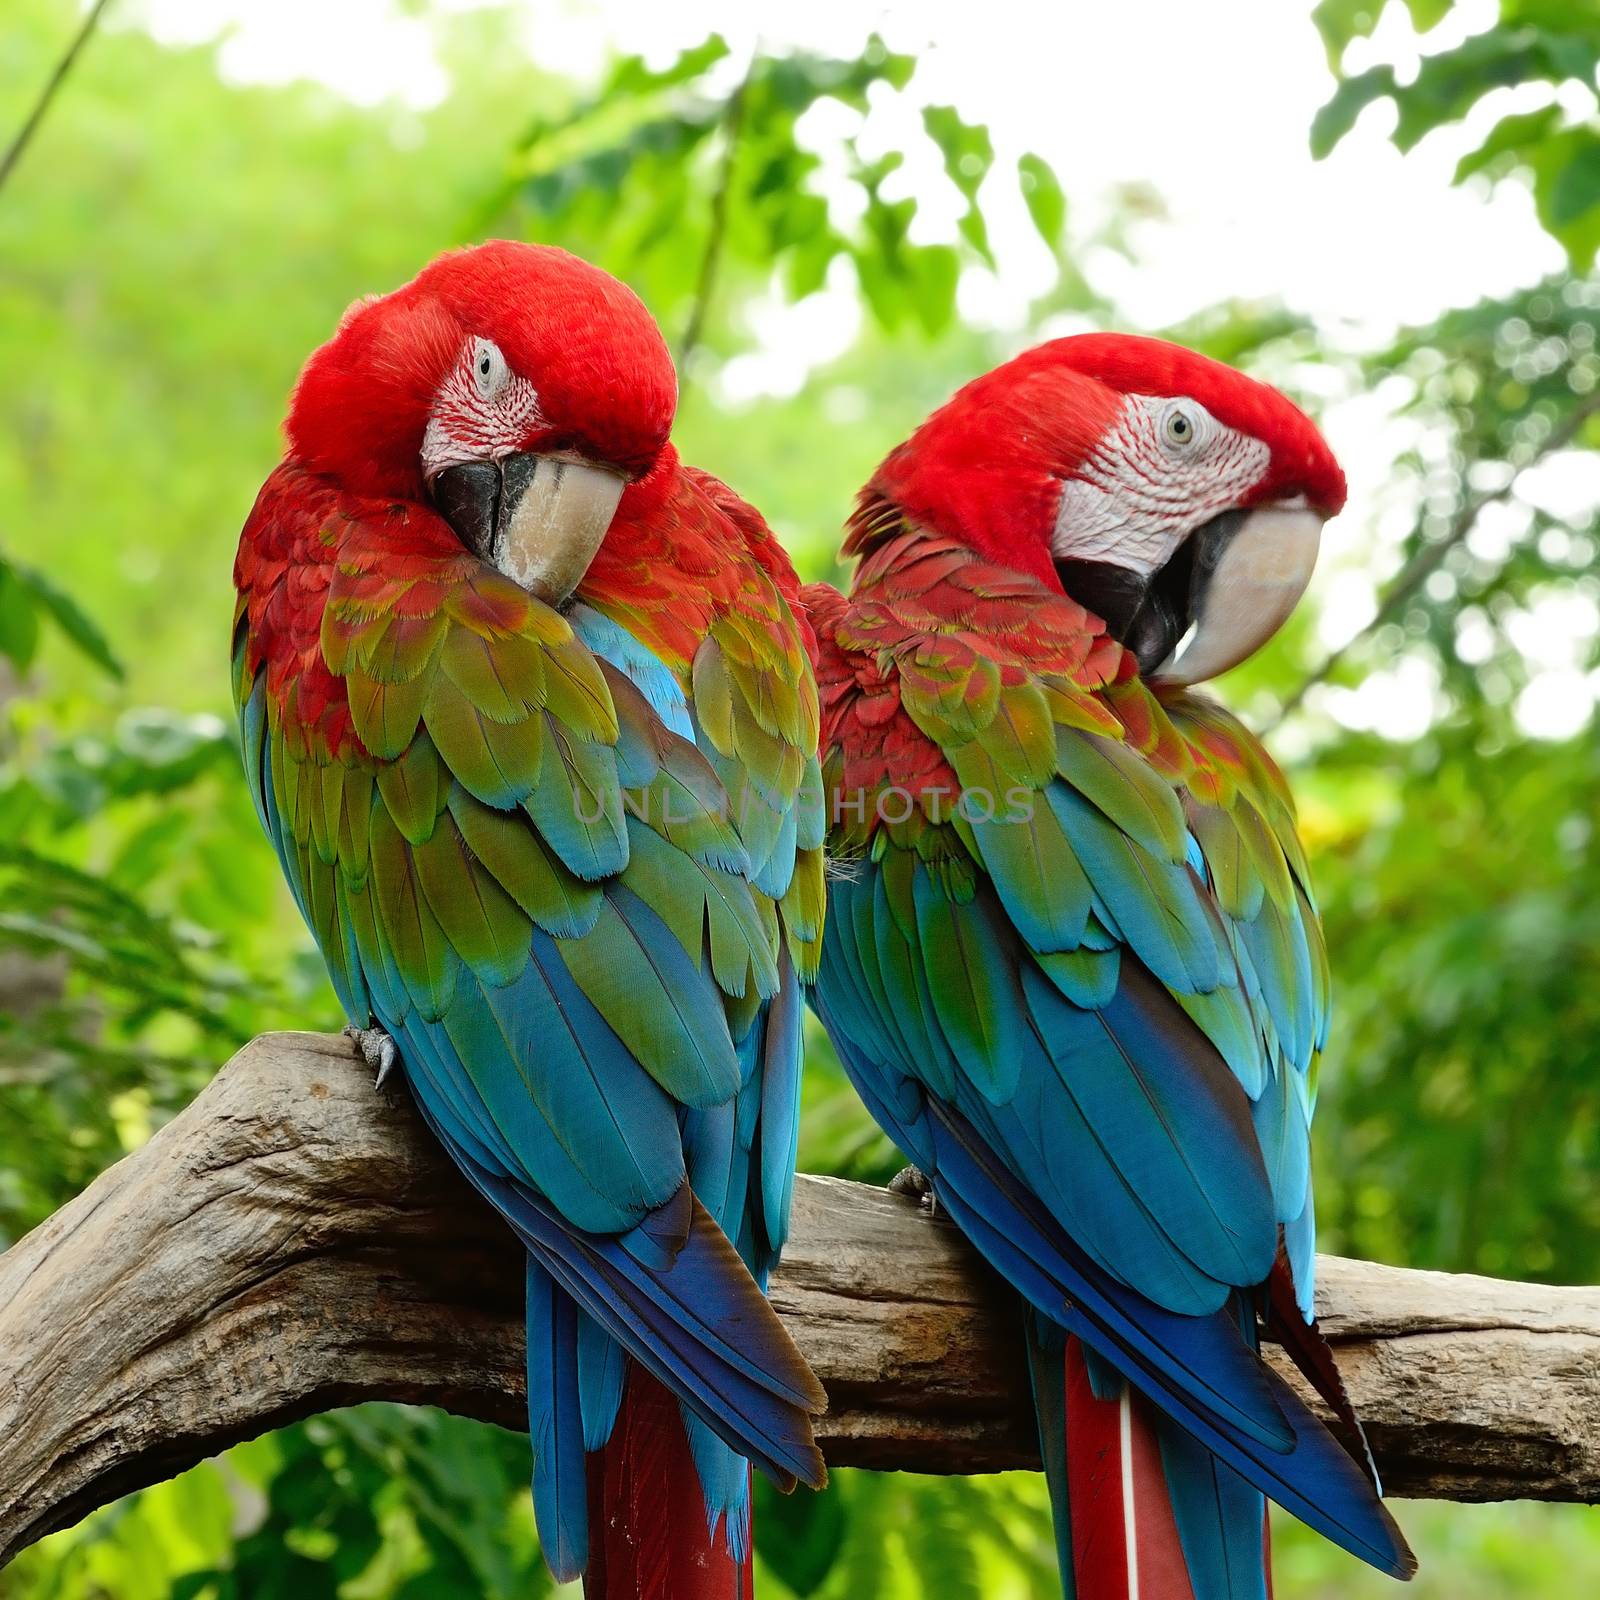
{"x":647,"y":1517}
{"x":1124,"y":1537}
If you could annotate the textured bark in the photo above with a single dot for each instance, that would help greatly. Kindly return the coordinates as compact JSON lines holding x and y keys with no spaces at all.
{"x":294,"y":1242}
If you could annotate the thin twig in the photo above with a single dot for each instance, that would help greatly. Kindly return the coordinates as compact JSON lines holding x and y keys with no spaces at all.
{"x":1426,"y":561}
{"x":26,"y":132}
{"x":711,"y":257}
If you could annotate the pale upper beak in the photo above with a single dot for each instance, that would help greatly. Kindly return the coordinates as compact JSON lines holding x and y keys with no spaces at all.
{"x":539,"y":519}
{"x":1242,"y":588}
{"x":1226,"y":589}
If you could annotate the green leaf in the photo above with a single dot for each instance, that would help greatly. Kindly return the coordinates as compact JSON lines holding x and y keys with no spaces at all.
{"x":631,"y":75}
{"x":1041,"y":191}
{"x":69,"y":617}
{"x":1511,"y":136}
{"x":810,"y":259}
{"x":25,"y":594}
{"x":1566,"y":193}
{"x":968,"y":155}
{"x":1577,"y":186}
{"x":935,"y":270}
{"x":800,"y":1535}
{"x":631,"y":81}
{"x":939,"y":1540}
{"x":1335,"y":119}
{"x":19,"y":619}
{"x":1340,"y":21}
{"x":1426,"y":14}
{"x":895,"y":69}
{"x":1448,"y":85}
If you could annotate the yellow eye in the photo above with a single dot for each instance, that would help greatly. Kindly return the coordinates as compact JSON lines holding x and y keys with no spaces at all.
{"x":489,"y":369}
{"x":1179,"y":428}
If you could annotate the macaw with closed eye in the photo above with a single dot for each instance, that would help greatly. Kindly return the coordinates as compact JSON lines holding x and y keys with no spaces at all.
{"x":1072,"y":960}
{"x":529,"y":717}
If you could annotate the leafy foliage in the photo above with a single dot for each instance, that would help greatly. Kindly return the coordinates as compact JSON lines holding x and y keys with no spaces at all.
{"x":707,"y":150}
{"x":1467,"y":932}
{"x":1550,"y":42}
{"x":1459,"y":1117}
{"x":27,"y":599}
{"x":109,"y":1009}
{"x":376,"y":1500}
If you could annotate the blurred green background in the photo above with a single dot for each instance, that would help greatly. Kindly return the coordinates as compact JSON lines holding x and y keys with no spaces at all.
{"x":831,"y":237}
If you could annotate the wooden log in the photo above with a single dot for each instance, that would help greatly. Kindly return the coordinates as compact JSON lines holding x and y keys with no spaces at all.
{"x":294,"y":1242}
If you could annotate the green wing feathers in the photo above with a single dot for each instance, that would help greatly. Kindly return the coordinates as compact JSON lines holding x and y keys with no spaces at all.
{"x":501,"y":779}
{"x":1115,"y":822}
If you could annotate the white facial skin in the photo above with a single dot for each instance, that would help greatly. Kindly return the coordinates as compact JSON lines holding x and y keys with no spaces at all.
{"x":1161,"y":473}
{"x":549,"y":524}
{"x":481,"y":412}
{"x":1165,"y":467}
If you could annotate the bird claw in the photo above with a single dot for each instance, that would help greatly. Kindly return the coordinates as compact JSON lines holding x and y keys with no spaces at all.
{"x":915,"y":1182}
{"x":377,"y":1049}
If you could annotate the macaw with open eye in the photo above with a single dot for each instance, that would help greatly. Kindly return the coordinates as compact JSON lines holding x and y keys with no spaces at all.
{"x":528,"y":714}
{"x":1072,"y":960}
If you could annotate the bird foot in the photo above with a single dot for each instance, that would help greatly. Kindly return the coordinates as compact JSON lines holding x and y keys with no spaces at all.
{"x":378,"y":1050}
{"x":916,"y":1183}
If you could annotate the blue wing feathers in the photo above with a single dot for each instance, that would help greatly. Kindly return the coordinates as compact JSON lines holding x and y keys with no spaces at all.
{"x":1201,"y":1371}
{"x":1134,"y":1083}
{"x":1300,"y":1241}
{"x":529,"y":1071}
{"x":724,"y":1481}
{"x":780,"y":1114}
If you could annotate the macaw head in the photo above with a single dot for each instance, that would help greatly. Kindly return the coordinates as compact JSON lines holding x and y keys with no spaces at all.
{"x":513,"y":386}
{"x":1177,"y":499}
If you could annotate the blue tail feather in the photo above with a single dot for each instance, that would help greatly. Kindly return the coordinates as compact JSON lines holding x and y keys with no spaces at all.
{"x":1220,"y":1520}
{"x":725,"y":1483}
{"x":670,"y":1319}
{"x":602,"y":1367}
{"x":780,"y":1111}
{"x":555,"y":1427}
{"x":1046,"y":1372}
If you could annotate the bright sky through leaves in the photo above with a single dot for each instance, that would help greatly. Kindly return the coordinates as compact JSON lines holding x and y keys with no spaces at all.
{"x":1203,"y":106}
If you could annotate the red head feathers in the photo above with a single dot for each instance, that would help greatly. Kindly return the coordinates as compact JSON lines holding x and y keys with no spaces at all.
{"x":576,"y":364}
{"x":1121,"y":470}
{"x":517,"y":388}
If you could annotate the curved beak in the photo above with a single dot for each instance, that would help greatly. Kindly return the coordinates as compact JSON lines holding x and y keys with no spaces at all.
{"x":1247,"y":574}
{"x":1223,"y":593}
{"x":538,"y":519}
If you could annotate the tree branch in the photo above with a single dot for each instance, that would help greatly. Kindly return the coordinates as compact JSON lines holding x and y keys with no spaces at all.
{"x":294,"y":1241}
{"x":717,"y":228}
{"x":31,"y":123}
{"x":1427,"y":559}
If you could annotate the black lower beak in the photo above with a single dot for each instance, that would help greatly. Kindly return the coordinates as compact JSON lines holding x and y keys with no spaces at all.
{"x":1151,"y":612}
{"x":477,"y":499}
{"x":468,"y":497}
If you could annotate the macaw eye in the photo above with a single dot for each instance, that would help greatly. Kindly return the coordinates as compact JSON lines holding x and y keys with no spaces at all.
{"x":489,"y":369}
{"x":1180,"y":428}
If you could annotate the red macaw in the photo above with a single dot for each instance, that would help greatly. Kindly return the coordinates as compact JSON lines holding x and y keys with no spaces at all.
{"x":1072,"y":960}
{"x":529,"y":717}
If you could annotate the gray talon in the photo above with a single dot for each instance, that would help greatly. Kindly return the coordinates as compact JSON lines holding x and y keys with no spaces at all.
{"x":378,"y":1050}
{"x":915,"y":1182}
